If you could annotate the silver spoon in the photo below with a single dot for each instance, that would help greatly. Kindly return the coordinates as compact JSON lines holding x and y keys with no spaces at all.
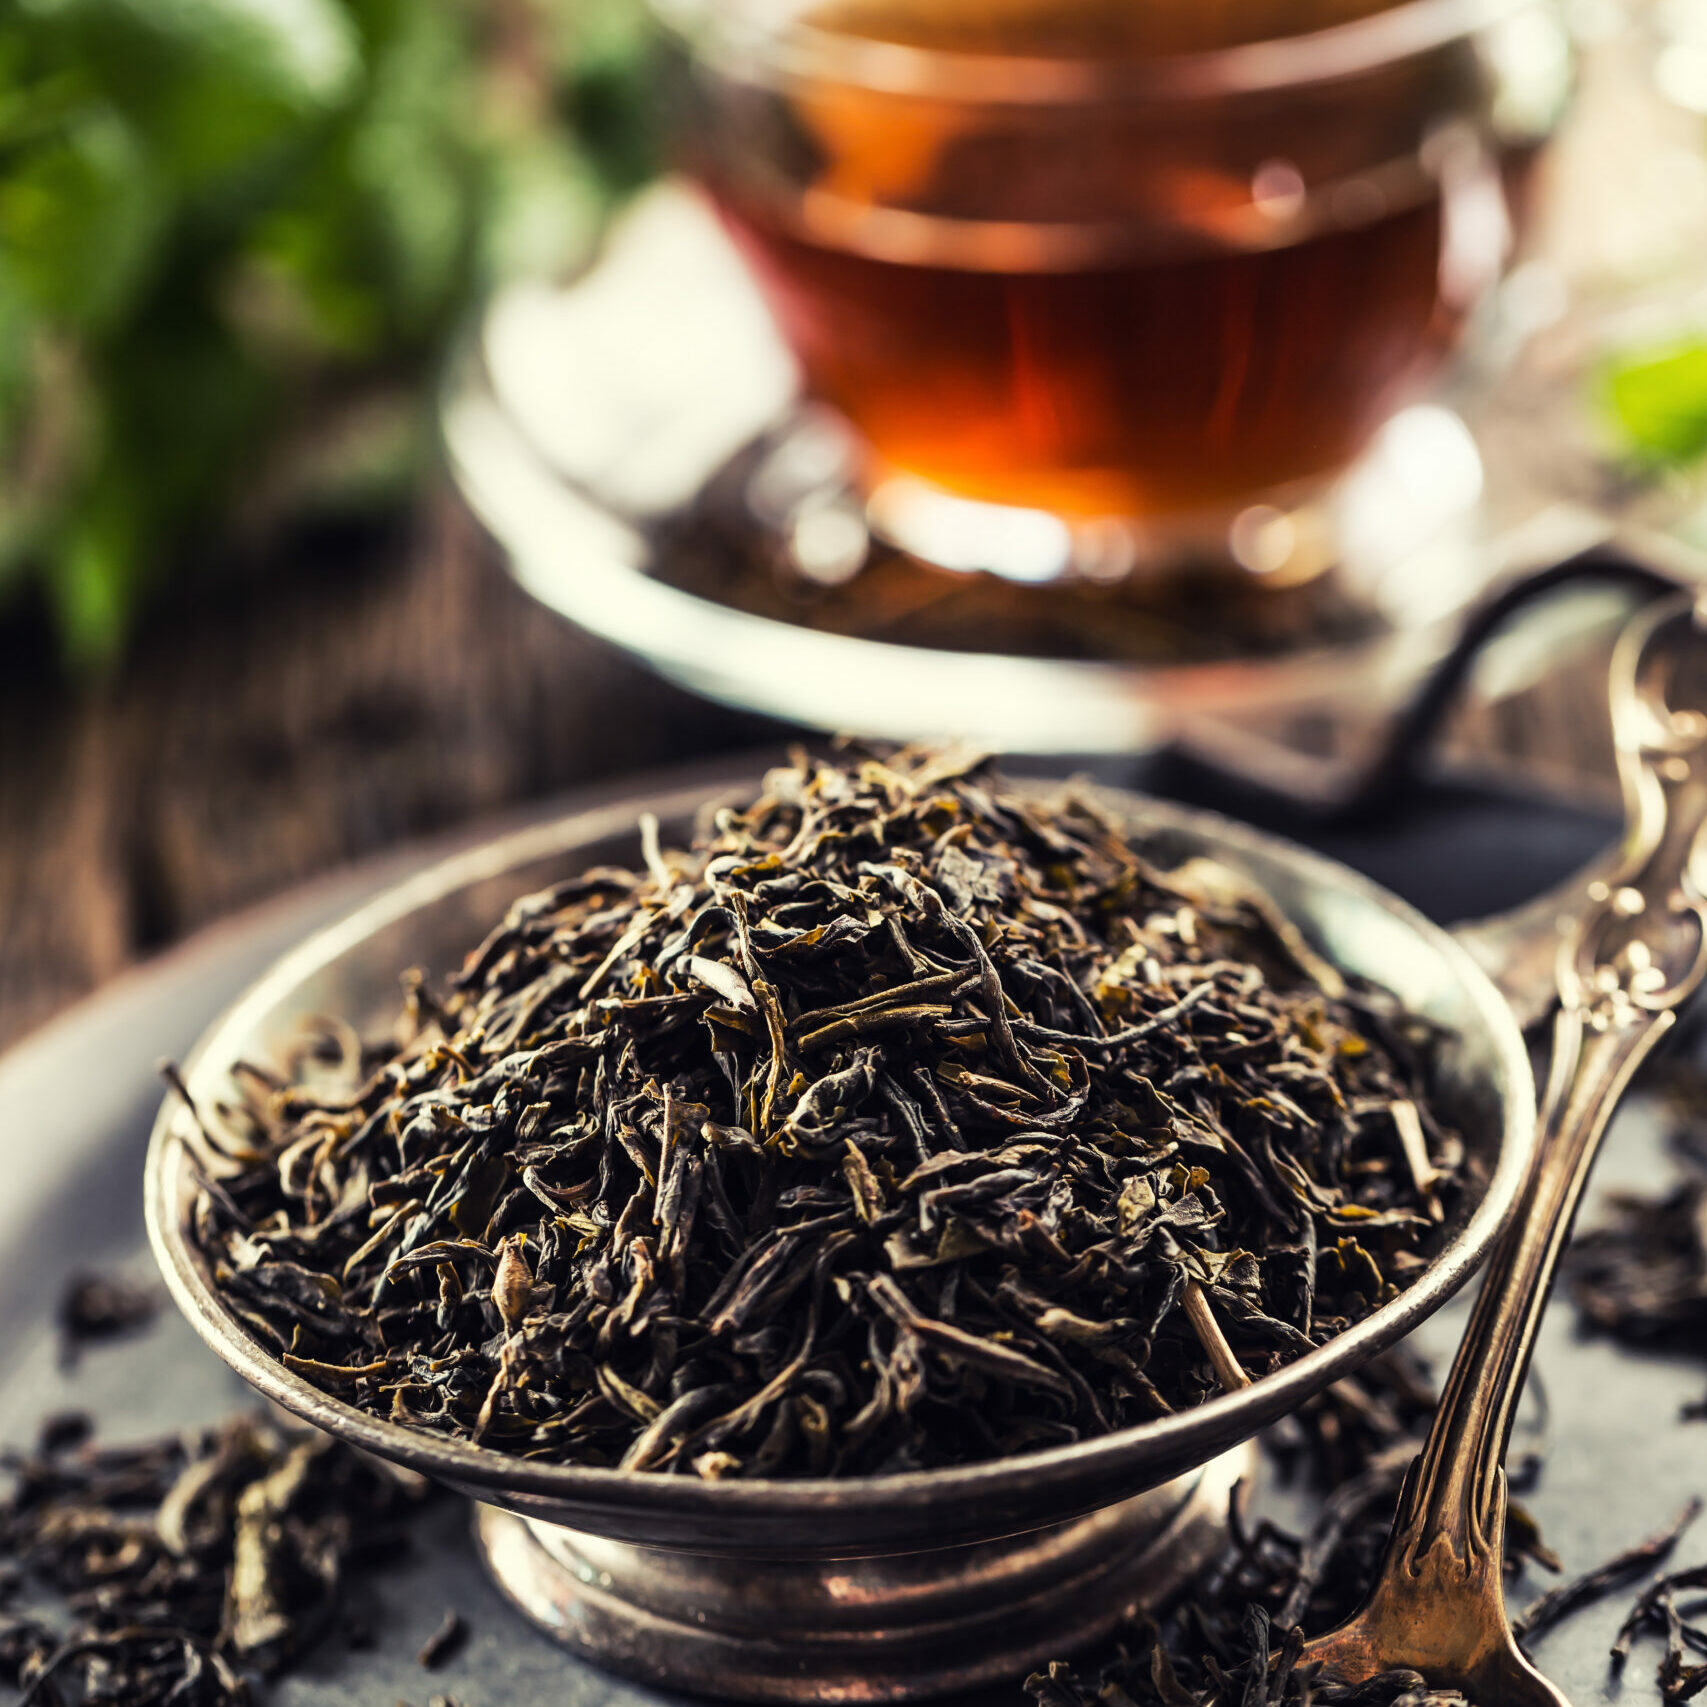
{"x":1634,"y":950}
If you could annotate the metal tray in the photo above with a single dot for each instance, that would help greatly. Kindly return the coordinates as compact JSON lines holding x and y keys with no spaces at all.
{"x":77,"y":1099}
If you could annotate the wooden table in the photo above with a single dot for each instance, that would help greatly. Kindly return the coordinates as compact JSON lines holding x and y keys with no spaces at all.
{"x":375,"y":689}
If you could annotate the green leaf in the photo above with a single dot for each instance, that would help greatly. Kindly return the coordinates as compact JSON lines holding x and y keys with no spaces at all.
{"x":303,"y":53}
{"x":80,"y":214}
{"x":606,"y":79}
{"x":1658,"y":404}
{"x":223,"y":220}
{"x":544,"y":208}
{"x":374,"y":238}
{"x":93,"y":587}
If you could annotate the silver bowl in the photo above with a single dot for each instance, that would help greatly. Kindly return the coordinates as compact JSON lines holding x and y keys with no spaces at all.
{"x":885,"y":1587}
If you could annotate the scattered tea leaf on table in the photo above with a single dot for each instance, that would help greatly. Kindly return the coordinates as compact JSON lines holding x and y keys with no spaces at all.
{"x":176,"y":1570}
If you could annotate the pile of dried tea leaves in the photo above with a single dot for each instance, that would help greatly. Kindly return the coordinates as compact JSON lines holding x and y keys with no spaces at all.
{"x":909,"y":1120}
{"x":174,"y":1570}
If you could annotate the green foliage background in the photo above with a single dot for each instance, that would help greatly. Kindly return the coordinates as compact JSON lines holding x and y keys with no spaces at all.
{"x":234,"y":237}
{"x":1657,"y":401}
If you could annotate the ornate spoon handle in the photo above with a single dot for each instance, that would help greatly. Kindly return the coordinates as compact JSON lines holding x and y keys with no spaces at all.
{"x":1633,"y":954}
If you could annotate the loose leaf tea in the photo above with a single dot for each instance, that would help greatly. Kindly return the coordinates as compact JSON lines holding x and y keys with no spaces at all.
{"x":169,"y":1572}
{"x":445,"y":1642}
{"x":1234,"y":1634}
{"x":1641,"y":1274}
{"x":1656,"y":1611}
{"x":909,"y":1120}
{"x":96,"y":1307}
{"x":1618,"y":1572}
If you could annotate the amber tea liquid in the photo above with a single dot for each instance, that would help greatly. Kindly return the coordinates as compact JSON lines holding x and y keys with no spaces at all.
{"x":1138,"y":258}
{"x":1146,"y":386}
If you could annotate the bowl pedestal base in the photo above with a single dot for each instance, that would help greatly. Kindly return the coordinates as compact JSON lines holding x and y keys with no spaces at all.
{"x":885,"y":1627}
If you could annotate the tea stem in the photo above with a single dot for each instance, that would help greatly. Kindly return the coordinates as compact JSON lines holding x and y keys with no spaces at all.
{"x":1228,"y":1370}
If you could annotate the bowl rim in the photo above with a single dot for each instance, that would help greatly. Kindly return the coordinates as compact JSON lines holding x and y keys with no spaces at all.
{"x":1172,"y":1441}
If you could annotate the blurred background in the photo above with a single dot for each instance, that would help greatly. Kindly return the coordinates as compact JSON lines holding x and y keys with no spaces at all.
{"x":245,"y":631}
{"x":251,"y":627}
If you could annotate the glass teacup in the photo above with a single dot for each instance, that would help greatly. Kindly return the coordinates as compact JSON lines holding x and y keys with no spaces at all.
{"x":1149,"y":269}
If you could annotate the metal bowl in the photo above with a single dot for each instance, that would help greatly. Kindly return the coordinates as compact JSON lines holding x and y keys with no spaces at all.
{"x":884,"y":1587}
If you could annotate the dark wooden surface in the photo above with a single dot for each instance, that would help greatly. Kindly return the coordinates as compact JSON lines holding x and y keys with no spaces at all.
{"x":271,"y":727}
